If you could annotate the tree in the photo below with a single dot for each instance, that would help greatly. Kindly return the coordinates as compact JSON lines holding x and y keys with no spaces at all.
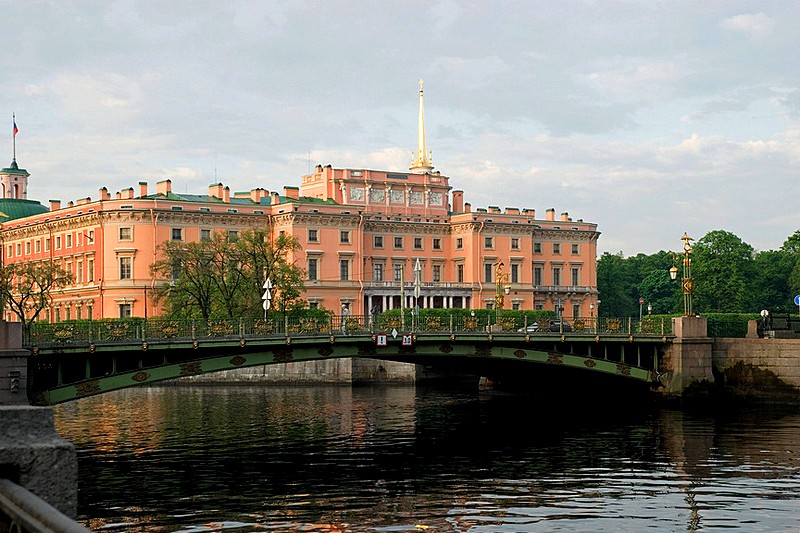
{"x":190,"y":288}
{"x":722,"y":268}
{"x":772,"y":272}
{"x":224,"y":276}
{"x":26,"y":287}
{"x":615,"y":284}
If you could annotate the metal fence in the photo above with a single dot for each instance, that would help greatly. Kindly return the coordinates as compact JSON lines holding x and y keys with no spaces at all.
{"x":124,"y":330}
{"x":21,"y":511}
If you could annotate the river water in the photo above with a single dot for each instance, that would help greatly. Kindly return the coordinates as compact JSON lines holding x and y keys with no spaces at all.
{"x":393,"y":459}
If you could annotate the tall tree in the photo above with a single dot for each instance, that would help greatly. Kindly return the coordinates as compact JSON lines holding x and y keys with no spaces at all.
{"x":26,"y":287}
{"x":722,"y":268}
{"x":614,"y":285}
{"x":186,"y":269}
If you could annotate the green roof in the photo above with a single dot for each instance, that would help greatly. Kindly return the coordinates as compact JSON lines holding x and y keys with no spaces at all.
{"x":11,"y":209}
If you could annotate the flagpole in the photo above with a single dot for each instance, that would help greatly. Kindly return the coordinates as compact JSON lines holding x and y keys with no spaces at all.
{"x":14,"y":134}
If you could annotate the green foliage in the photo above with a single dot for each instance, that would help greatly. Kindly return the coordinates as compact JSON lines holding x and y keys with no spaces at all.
{"x":722,"y":269}
{"x":26,"y":288}
{"x":223,"y":277}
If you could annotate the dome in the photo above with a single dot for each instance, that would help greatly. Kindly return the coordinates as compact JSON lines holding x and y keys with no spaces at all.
{"x":11,"y":209}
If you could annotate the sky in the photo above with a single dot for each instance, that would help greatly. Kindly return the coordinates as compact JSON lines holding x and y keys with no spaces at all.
{"x":648,"y":118}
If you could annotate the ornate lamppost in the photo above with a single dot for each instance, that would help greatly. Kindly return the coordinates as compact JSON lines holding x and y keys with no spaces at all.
{"x":502,"y":286}
{"x":687,"y":282}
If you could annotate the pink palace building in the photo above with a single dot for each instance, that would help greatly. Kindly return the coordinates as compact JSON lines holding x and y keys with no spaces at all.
{"x":365,"y":236}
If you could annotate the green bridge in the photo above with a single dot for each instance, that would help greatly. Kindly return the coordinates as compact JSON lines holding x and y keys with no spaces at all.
{"x":74,"y":360}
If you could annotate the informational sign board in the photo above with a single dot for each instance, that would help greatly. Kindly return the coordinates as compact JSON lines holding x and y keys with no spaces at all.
{"x":407,"y":339}
{"x":381,"y":339}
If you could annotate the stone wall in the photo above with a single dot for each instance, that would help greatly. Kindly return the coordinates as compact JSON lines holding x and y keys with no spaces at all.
{"x":761,"y":369}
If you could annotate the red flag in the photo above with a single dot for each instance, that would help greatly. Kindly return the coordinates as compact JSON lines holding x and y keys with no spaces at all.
{"x":16,"y":129}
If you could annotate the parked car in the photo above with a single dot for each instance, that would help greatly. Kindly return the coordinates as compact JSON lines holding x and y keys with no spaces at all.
{"x":530,"y":328}
{"x":560,"y":325}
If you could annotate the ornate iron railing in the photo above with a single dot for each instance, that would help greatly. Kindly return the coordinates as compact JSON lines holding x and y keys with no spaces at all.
{"x":24,"y":512}
{"x":160,"y":329}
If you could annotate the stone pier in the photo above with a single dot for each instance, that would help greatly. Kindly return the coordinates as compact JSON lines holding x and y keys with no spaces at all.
{"x":687,"y":366}
{"x":32,"y":454}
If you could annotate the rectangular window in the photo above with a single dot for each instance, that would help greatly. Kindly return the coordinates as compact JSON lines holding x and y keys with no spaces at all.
{"x":46,"y":244}
{"x":377,"y":241}
{"x":125,"y":267}
{"x":398,"y":242}
{"x":460,"y":273}
{"x":537,"y":275}
{"x":576,"y":310}
{"x":175,"y":269}
{"x":418,"y":243}
{"x":488,"y":270}
{"x":58,"y":243}
{"x":575,"y":249}
{"x":312,"y":235}
{"x":10,"y":251}
{"x":377,"y":272}
{"x":68,"y":243}
{"x":537,"y":247}
{"x":514,"y":243}
{"x":344,"y":237}
{"x":398,"y":272}
{"x":514,"y":273}
{"x":19,"y":249}
{"x":437,"y":244}
{"x":437,"y":273}
{"x":125,"y":234}
{"x":124,"y":310}
{"x":79,"y":272}
{"x":312,"y":269}
{"x":38,"y":246}
{"x":205,"y":234}
{"x":576,"y":276}
{"x":556,"y":248}
{"x":177,"y":234}
{"x":233,"y":235}
{"x":28,"y":248}
{"x":459,"y":243}
{"x":488,"y":243}
{"x":556,"y":275}
{"x":90,"y":271}
{"x":344,"y":269}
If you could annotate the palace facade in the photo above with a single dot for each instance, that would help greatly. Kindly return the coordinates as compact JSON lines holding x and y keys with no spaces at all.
{"x":371,"y":240}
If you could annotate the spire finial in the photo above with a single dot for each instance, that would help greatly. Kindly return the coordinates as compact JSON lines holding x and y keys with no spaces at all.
{"x":421,"y":161}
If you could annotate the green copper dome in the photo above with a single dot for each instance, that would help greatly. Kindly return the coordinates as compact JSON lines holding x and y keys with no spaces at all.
{"x":11,"y":209}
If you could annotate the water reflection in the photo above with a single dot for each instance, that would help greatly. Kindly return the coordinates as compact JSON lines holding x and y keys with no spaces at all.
{"x":393,"y":458}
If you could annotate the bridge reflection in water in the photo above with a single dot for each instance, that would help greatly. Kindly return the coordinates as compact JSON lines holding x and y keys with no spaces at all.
{"x":74,"y":360}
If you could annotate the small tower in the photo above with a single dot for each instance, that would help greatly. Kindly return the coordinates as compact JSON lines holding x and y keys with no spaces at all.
{"x":421,"y":162}
{"x":14,"y":182}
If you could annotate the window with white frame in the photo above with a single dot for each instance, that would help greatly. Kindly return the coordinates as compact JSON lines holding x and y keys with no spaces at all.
{"x":125,"y":267}
{"x":125,"y":234}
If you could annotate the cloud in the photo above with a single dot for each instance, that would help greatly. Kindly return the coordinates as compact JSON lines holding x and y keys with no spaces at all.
{"x":754,"y":26}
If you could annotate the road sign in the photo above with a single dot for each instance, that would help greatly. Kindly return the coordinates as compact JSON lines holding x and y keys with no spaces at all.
{"x":381,"y":339}
{"x":797,"y":300}
{"x":406,"y":340}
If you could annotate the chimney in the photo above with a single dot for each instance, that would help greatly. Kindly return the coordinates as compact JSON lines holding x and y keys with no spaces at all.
{"x":275,"y":199}
{"x":55,"y":205}
{"x":564,"y":217}
{"x":257,"y":194}
{"x":467,"y":207}
{"x":226,"y":195}
{"x":118,"y":195}
{"x":164,"y":187}
{"x":512,"y":211}
{"x":550,"y":214}
{"x":291,"y":192}
{"x":84,"y":201}
{"x":104,"y":195}
{"x":529,"y":212}
{"x":127,"y":194}
{"x":142,"y":189}
{"x":215,"y":189}
{"x":458,"y":201}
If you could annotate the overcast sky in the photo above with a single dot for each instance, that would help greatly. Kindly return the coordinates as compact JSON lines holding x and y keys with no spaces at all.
{"x":648,"y":118}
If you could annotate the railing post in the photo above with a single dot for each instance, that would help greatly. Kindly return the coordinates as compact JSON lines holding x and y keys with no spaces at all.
{"x":241,"y":328}
{"x":451,"y":323}
{"x":285,"y":324}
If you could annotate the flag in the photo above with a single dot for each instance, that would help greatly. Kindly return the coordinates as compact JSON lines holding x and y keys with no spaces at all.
{"x":16,"y":129}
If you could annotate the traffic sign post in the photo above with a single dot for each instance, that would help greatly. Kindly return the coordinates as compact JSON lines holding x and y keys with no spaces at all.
{"x":267,"y":297}
{"x":797,"y":302}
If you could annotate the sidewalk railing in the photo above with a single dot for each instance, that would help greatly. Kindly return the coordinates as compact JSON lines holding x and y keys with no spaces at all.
{"x":24,"y":512}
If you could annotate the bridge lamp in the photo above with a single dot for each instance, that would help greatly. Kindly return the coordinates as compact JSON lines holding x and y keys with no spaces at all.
{"x":687,"y":281}
{"x":649,"y":309}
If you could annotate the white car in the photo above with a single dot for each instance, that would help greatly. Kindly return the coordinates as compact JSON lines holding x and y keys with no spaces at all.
{"x":530,"y":328}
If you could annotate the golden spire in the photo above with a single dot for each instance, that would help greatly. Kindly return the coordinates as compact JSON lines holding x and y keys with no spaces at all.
{"x":421,"y":161}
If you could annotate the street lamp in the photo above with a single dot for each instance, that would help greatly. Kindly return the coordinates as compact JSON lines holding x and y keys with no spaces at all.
{"x":687,"y":282}
{"x":502,"y":286}
{"x":417,"y":281}
{"x":641,"y":303}
{"x":649,"y":309}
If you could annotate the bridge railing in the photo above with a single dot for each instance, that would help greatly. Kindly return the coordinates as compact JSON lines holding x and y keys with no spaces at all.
{"x":164,"y":329}
{"x":25,"y":512}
